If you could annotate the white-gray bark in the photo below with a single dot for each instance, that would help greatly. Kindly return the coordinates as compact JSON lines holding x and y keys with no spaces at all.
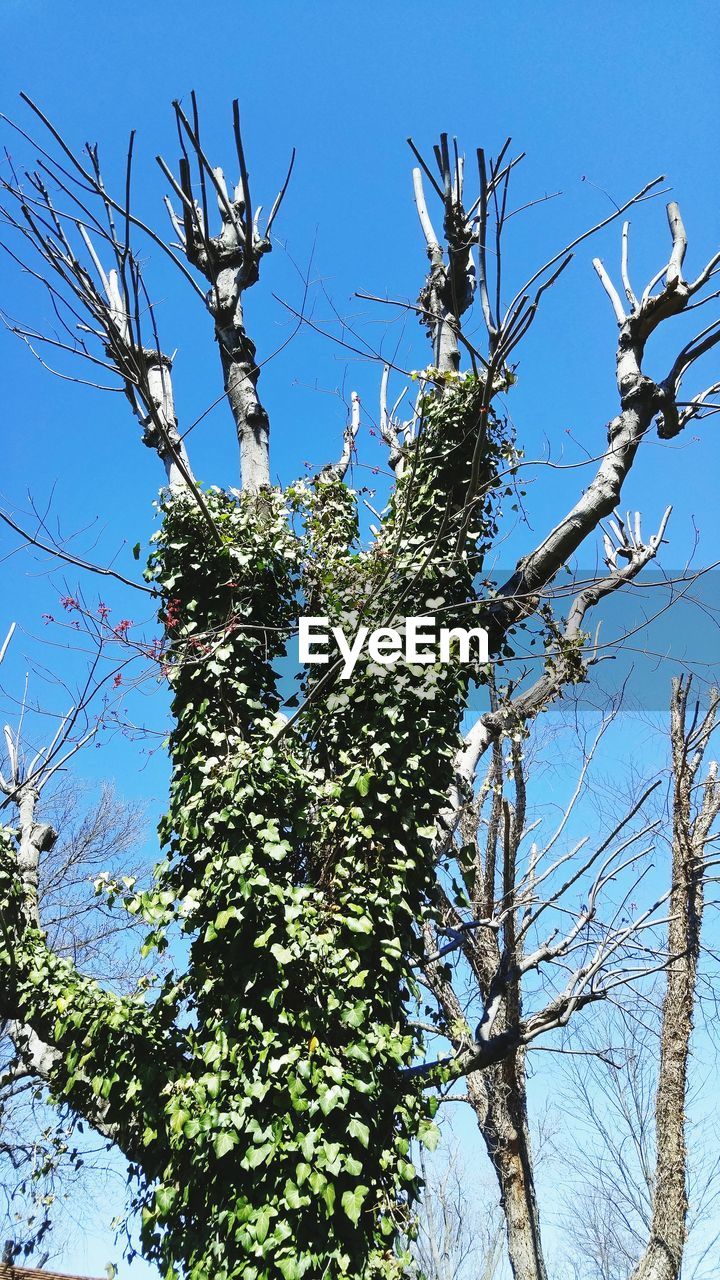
{"x":161,"y":430}
{"x":230,"y":262}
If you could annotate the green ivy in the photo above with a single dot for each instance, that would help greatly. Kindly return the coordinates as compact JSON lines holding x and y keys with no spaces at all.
{"x":262,"y":1094}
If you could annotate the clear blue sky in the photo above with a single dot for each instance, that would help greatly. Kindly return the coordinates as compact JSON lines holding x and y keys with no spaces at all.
{"x":601,"y":97}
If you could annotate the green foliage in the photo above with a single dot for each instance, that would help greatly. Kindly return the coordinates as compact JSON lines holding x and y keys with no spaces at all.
{"x":263,"y":1094}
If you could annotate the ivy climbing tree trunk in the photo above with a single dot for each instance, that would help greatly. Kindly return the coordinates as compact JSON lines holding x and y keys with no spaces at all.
{"x":268,"y":1090}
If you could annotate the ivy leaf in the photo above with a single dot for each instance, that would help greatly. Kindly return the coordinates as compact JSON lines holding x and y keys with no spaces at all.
{"x":223,"y":1143}
{"x":289,"y":1268}
{"x":281,"y":954}
{"x":292,"y":1195}
{"x":223,"y":918}
{"x":429,"y":1135}
{"x":212,"y":1085}
{"x":257,"y":1155}
{"x":358,"y":1130}
{"x":331,"y":1098}
{"x":352,"y":1202}
{"x":262,"y":1225}
{"x":357,"y":1015}
{"x":164,"y":1198}
{"x":362,"y":925}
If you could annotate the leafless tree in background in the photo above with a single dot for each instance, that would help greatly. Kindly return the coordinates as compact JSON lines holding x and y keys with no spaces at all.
{"x":533,"y":946}
{"x":610,"y":1146}
{"x":457,"y":1237}
{"x":695,"y":807}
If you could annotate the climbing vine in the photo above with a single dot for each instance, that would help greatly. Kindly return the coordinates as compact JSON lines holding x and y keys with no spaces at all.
{"x":263,"y":1091}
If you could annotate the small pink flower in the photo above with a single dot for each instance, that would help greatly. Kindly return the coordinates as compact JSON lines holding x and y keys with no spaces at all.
{"x":172,"y":613}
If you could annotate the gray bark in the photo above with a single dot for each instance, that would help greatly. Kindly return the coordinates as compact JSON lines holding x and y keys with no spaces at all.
{"x":662,"y":1259}
{"x":161,"y":427}
{"x":497,"y":1095}
{"x":241,"y":373}
{"x":503,"y":1123}
{"x":643,"y":401}
{"x":230,"y":262}
{"x":449,"y":287}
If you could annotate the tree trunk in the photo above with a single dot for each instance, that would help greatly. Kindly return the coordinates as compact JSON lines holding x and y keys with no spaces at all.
{"x":500,"y":1105}
{"x":662,"y":1259}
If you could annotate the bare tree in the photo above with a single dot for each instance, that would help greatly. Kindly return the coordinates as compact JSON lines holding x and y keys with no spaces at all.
{"x":592,"y":953}
{"x":457,"y":1238}
{"x":695,"y":807}
{"x":538,"y":931}
{"x":609,"y":1145}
